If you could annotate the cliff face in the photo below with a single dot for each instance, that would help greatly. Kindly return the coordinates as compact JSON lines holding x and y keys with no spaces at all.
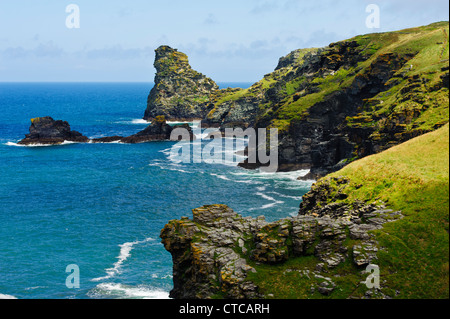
{"x":217,"y":252}
{"x":180,"y":93}
{"x":357,"y":97}
{"x":331,"y":105}
{"x":389,"y":210}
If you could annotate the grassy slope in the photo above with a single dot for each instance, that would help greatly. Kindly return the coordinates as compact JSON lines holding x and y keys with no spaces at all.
{"x":428,"y":44}
{"x":426,"y":48}
{"x":414,"y":178}
{"x":414,"y":260}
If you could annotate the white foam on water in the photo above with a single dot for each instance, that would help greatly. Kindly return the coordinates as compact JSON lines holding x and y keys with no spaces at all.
{"x":269,"y":198}
{"x":13,"y":144}
{"x":292,"y":176}
{"x":220,"y":176}
{"x":286,"y":196}
{"x":134,"y":121}
{"x":266,"y":196}
{"x":39,"y":145}
{"x":125,"y":252}
{"x":139,"y":121}
{"x":120,"y":291}
{"x":169,"y":167}
{"x":2,"y":296}
{"x":114,"y":142}
{"x":225,"y":178}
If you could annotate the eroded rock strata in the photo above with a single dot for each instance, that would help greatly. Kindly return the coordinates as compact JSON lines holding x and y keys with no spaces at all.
{"x":159,"y":130}
{"x":214,"y":253}
{"x":332,"y":105}
{"x":180,"y":93}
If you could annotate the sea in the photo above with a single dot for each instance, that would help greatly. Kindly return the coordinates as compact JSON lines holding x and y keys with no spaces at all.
{"x":82,"y":221}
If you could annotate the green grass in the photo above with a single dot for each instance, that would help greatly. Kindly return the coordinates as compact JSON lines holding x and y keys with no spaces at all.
{"x":412,"y":177}
{"x":426,"y":48}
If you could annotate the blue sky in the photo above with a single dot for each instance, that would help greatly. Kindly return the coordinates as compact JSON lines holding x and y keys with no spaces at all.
{"x":229,"y":41}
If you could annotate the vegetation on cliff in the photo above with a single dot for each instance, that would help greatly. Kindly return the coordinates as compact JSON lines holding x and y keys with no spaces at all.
{"x":373,"y":112}
{"x":332,"y":105}
{"x":412,"y":252}
{"x":390,"y":209}
{"x":180,"y":93}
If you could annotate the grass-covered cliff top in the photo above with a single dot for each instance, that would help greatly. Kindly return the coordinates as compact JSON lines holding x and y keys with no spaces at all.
{"x":309,"y":76}
{"x":413,"y":255}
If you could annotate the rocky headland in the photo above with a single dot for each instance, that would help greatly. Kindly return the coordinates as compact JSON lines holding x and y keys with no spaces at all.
{"x":369,"y":117}
{"x":387,"y":212}
{"x":332,"y":105}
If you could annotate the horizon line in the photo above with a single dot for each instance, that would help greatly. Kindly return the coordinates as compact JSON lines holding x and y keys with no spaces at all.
{"x":143,"y":82}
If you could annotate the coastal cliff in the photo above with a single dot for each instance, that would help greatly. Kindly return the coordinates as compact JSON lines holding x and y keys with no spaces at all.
{"x":389,"y":210}
{"x":369,"y":117}
{"x":216,"y":252}
{"x":331,"y":105}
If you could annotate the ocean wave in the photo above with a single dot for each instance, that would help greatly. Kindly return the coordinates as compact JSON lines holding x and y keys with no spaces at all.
{"x":114,"y":142}
{"x":269,"y":198}
{"x":292,"y":176}
{"x":124,"y":254}
{"x":120,"y":291}
{"x":2,"y":296}
{"x":134,"y":121}
{"x":39,"y":145}
{"x":286,"y":196}
{"x":225,"y":178}
{"x":169,"y":167}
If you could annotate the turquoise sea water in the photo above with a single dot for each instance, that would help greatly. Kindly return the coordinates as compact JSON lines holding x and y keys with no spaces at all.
{"x":102,"y":206}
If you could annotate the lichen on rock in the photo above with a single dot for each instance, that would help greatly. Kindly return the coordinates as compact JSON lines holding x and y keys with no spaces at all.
{"x":214,"y":253}
{"x":179,"y":93}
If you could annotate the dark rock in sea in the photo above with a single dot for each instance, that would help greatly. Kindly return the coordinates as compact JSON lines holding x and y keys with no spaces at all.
{"x":159,"y":130}
{"x":47,"y":131}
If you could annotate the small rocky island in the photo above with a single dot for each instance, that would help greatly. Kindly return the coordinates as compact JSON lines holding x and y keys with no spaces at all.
{"x":47,"y":131}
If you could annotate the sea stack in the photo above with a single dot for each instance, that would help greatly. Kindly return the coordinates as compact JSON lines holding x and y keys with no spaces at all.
{"x":180,"y":93}
{"x":47,"y":131}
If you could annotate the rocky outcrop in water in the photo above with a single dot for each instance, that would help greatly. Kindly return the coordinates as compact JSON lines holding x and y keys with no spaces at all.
{"x":180,"y":93}
{"x":159,"y":130}
{"x":47,"y":131}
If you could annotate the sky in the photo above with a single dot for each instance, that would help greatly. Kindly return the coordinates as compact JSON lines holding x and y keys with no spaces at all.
{"x":229,"y":41}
